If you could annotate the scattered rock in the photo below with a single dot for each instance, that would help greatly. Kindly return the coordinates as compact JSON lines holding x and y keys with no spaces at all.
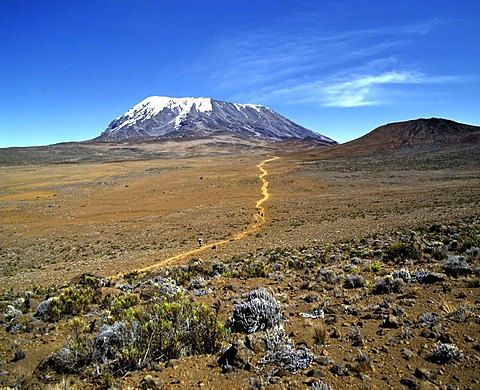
{"x":409,"y":382}
{"x":339,"y":369}
{"x":364,"y":377}
{"x":257,"y":342}
{"x":424,"y":374}
{"x":238,"y":355}
{"x":417,"y":384}
{"x":150,"y":382}
{"x":172,"y":363}
{"x":446,"y":338}
{"x":336,"y":334}
{"x":275,"y":380}
{"x":20,"y":354}
{"x":391,"y":322}
{"x":301,"y":343}
{"x":323,"y":360}
{"x":408,"y":353}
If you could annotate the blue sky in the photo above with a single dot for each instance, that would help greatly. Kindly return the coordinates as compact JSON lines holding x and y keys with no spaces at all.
{"x":342,"y":68}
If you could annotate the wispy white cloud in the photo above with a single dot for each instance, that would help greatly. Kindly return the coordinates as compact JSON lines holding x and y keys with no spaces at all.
{"x":363,"y":90}
{"x":305,"y":65}
{"x":351,"y":89}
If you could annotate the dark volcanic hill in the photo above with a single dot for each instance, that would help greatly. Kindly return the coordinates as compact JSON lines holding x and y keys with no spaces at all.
{"x":159,"y":116}
{"x":416,"y":134}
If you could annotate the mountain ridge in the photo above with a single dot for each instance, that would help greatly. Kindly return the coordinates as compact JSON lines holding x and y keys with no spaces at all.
{"x":161,"y":116}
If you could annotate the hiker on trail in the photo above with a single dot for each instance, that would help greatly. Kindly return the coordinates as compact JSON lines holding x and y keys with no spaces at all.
{"x":200,"y":242}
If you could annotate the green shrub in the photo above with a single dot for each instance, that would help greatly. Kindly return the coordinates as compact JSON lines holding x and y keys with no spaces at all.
{"x":71,"y":301}
{"x":375,"y":267}
{"x":400,"y":251}
{"x":172,"y":328}
{"x":121,"y":303}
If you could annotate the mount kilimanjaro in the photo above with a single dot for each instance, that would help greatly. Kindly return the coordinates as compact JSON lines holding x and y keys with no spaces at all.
{"x":166,"y":117}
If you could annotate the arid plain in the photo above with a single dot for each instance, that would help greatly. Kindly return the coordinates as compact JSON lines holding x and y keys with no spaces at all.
{"x":144,"y":212}
{"x":60,"y":220}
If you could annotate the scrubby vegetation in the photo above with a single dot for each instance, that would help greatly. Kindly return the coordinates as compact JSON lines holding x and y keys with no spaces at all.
{"x":259,"y":312}
{"x":170,"y":328}
{"x":272,"y":317}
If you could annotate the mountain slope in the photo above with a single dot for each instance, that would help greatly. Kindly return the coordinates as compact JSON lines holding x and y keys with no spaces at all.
{"x":160,"y":116}
{"x":416,"y":134}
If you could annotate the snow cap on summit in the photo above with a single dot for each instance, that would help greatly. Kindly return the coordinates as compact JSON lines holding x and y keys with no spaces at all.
{"x":158,"y":116}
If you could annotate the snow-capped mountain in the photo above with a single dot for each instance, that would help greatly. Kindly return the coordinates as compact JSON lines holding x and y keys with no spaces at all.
{"x":160,"y":116}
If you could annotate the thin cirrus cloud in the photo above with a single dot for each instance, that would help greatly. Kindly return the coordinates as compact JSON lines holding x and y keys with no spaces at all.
{"x":347,"y":69}
{"x":352,"y":89}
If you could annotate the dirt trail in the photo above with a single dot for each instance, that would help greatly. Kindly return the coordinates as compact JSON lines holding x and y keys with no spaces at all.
{"x":259,"y":216}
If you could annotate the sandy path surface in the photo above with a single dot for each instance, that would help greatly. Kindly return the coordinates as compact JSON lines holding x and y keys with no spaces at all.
{"x":259,"y":217}
{"x":62,"y":220}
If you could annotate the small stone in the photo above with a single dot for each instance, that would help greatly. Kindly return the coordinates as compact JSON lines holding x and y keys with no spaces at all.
{"x":301,"y":343}
{"x":336,"y":334}
{"x":238,"y":355}
{"x":365,"y":377}
{"x":409,"y":382}
{"x":323,"y":360}
{"x":257,"y":342}
{"x":340,"y":370}
{"x":150,"y":382}
{"x":425,"y":385}
{"x":315,"y":373}
{"x":20,"y":354}
{"x":408,"y":353}
{"x":391,"y":322}
{"x":275,"y":380}
{"x":446,"y":338}
{"x":424,"y":374}
{"x":172,"y":363}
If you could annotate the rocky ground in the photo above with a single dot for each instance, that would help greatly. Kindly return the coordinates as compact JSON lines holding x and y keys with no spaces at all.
{"x":366,"y":274}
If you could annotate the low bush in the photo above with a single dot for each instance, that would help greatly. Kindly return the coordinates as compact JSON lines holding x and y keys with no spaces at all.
{"x":329,"y":276}
{"x":260,"y":311}
{"x":401,"y":251}
{"x":282,"y":353}
{"x":403,"y":274}
{"x":319,"y":385}
{"x":169,"y":329}
{"x":428,"y":319}
{"x":354,"y":281}
{"x":389,"y":285}
{"x":445,"y":353}
{"x":355,"y":336}
{"x":71,"y":301}
{"x":456,"y":266}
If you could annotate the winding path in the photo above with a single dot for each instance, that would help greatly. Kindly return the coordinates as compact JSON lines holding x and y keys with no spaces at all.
{"x":259,"y":216}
